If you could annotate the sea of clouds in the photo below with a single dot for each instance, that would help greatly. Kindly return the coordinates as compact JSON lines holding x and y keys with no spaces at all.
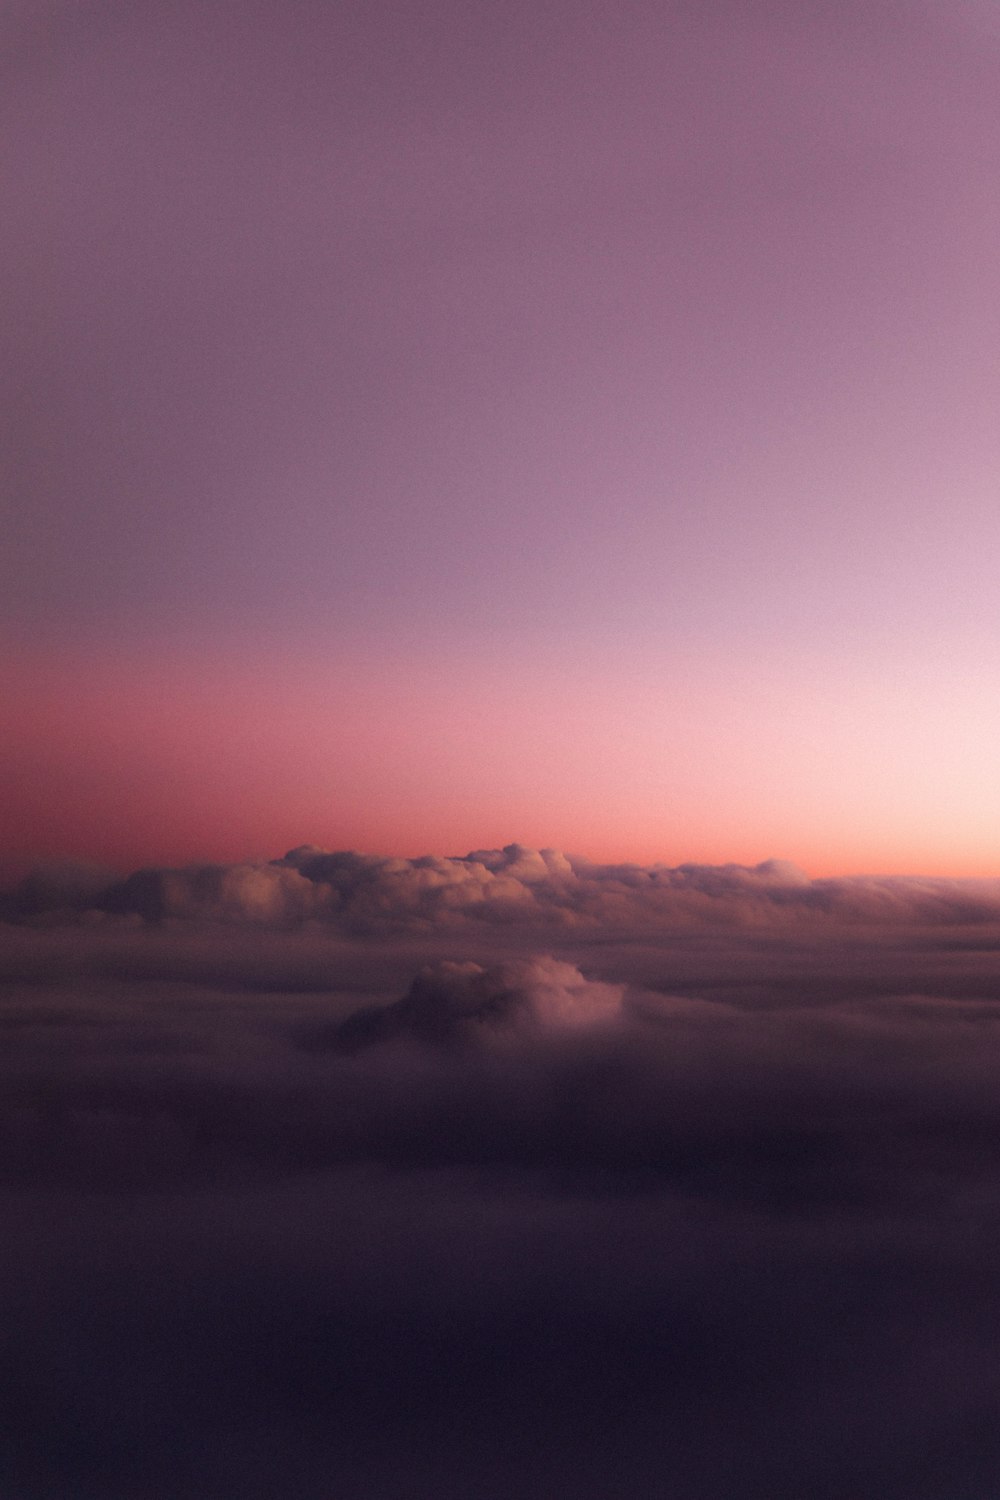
{"x":503,"y":1174}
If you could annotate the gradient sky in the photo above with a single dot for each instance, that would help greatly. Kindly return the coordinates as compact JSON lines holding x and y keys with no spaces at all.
{"x":430,"y":426}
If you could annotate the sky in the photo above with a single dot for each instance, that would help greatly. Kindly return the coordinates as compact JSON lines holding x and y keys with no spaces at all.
{"x":435,"y":426}
{"x":499,"y":900}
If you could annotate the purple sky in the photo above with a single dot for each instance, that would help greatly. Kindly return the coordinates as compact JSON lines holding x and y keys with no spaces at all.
{"x":434,"y":428}
{"x":576,"y":331}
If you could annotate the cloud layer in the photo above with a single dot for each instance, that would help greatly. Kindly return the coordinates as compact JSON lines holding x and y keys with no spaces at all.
{"x":357,"y":894}
{"x":705,"y":1209}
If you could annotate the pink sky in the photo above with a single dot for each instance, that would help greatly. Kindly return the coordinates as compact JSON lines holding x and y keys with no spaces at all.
{"x":440,"y":426}
{"x":690,"y":757}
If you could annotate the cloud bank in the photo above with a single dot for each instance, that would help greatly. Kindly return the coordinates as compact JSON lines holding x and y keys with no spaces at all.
{"x":515,"y":886}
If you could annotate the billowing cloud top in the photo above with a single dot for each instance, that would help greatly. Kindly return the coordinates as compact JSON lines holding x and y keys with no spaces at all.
{"x":451,"y":1002}
{"x":359,"y":893}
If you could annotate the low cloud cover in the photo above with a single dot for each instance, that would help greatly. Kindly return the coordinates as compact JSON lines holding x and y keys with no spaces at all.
{"x":342,"y":1175}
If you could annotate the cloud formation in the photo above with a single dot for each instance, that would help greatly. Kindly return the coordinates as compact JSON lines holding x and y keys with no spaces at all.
{"x":515,"y":886}
{"x":449,"y":1206}
{"x":455,"y":1002}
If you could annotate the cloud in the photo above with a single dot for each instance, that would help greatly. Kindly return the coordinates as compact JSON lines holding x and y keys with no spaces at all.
{"x":435,"y":1204}
{"x":513,"y":887}
{"x":268,"y":895}
{"x":451,"y":1002}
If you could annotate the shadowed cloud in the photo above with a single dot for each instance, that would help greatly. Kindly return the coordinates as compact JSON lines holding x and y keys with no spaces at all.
{"x":702,"y":1209}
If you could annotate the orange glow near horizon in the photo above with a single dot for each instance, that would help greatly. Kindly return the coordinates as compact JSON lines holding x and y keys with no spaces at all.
{"x":132,"y":761}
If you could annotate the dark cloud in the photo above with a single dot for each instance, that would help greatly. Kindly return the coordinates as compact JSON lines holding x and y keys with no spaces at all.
{"x":482,"y":1208}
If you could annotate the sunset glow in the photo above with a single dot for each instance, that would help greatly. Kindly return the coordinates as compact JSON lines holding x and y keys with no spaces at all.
{"x":580,"y":430}
{"x":838,"y":766}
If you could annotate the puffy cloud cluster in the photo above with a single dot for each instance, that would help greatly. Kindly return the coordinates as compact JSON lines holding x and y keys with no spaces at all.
{"x":514,"y":887}
{"x":464,"y":1002}
{"x":267,"y":894}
